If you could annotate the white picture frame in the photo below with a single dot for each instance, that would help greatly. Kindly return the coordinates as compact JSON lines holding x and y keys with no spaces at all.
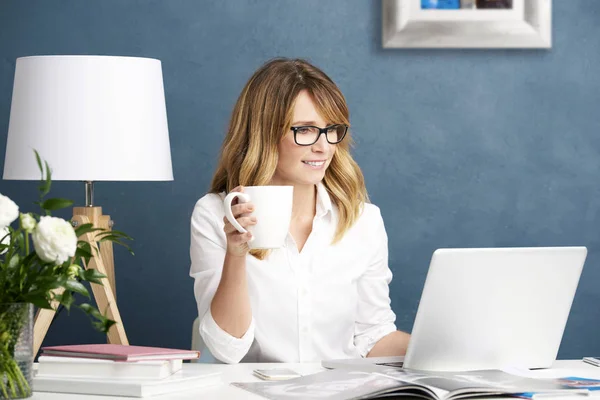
{"x":527,"y":25}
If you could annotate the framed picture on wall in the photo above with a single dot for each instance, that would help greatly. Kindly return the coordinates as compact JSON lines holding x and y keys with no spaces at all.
{"x":467,"y":23}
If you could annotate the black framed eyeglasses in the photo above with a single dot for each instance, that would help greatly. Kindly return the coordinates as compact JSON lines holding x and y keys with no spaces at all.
{"x":309,"y":135}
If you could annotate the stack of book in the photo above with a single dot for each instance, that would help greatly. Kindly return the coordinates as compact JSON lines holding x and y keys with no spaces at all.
{"x":117,"y":370}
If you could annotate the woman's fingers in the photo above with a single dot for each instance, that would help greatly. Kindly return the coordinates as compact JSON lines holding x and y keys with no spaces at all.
{"x":245,"y":222}
{"x":240,"y":238}
{"x":241,"y":212}
{"x":242,"y":209}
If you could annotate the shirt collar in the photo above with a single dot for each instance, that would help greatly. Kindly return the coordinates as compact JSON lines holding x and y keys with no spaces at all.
{"x":324,"y":204}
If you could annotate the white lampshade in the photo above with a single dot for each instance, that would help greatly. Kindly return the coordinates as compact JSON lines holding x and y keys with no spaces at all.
{"x":93,"y":118}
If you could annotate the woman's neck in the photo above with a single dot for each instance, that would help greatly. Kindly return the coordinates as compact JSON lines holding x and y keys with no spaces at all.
{"x":305,"y":202}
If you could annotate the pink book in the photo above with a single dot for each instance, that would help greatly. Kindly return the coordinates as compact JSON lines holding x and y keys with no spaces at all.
{"x":119,"y":352}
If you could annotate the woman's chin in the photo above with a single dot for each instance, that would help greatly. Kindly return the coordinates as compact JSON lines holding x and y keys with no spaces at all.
{"x":315,"y":178}
{"x":312,"y":178}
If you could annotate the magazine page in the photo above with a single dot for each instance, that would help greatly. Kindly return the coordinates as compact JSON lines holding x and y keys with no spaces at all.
{"x":452,"y":385}
{"x":419,"y":378}
{"x":573,"y":383}
{"x":343,"y":384}
{"x":335,"y":384}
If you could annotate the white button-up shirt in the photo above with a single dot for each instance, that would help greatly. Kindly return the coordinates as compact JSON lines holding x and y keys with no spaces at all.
{"x":325,"y":302}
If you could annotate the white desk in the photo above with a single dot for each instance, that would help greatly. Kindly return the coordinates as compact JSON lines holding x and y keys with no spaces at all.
{"x":243,"y":373}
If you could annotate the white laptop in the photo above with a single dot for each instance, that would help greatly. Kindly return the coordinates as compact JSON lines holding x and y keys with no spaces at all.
{"x":490,"y":308}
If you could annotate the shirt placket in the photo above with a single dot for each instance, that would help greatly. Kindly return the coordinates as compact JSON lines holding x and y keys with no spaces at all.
{"x":305,"y":312}
{"x":304,"y":317}
{"x":296,"y":266}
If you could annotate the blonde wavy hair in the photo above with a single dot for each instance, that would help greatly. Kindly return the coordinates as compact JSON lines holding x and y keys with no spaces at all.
{"x":263,"y":115}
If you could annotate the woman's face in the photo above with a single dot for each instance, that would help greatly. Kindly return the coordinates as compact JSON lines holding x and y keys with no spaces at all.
{"x":303,"y":165}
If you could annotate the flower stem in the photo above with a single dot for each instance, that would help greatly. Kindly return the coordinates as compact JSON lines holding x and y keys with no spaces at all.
{"x":26,"y":244}
{"x":11,"y":384}
{"x":20,"y":379}
{"x":3,"y":386}
{"x":16,"y":381}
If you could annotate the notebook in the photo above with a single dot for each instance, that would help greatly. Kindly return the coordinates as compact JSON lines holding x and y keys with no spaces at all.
{"x":186,"y":379}
{"x":75,"y":367}
{"x":118,"y":352}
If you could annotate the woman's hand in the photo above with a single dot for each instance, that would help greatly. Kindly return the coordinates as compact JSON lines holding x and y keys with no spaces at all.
{"x":237,"y":243}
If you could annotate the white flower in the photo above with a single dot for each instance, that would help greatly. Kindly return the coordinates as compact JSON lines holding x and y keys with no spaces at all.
{"x":54,"y":240}
{"x":4,"y":238}
{"x":28,"y":222}
{"x":9,"y":211}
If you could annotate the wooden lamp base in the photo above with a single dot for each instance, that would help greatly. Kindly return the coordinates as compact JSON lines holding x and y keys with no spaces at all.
{"x":103,"y":262}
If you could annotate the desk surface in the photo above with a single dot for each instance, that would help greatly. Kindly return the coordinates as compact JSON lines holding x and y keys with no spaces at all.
{"x":243,"y":373}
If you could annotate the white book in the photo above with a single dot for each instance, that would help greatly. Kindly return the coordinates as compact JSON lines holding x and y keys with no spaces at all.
{"x":95,"y":368}
{"x":179,"y":381}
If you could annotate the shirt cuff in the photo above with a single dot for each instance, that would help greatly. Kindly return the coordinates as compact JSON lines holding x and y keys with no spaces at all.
{"x":366,"y":341}
{"x":221,"y":344}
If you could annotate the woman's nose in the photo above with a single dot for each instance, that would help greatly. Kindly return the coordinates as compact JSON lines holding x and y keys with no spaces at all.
{"x":321,"y":144}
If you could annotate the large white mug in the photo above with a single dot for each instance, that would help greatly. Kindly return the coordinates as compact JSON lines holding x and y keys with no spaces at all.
{"x":273,"y":212}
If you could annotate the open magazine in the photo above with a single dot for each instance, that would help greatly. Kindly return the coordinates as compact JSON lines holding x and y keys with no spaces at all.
{"x":342,"y":384}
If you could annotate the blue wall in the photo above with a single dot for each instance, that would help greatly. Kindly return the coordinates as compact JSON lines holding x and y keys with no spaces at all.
{"x":459,"y":148}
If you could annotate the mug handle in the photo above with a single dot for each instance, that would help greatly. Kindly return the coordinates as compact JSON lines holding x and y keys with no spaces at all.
{"x":243,"y":198}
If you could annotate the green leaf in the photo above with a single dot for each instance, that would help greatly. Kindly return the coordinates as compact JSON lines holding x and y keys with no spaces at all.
{"x":19,"y":237}
{"x":117,"y":234}
{"x":82,"y":244}
{"x":97,"y":251}
{"x":44,"y":187}
{"x":48,"y":174}
{"x":66,"y":299}
{"x":110,"y":238}
{"x":38,"y":300}
{"x":127,"y":248}
{"x":88,"y":309}
{"x":83,"y":252}
{"x":102,"y":324}
{"x":30,"y":257}
{"x":48,"y":283}
{"x":77,"y":287}
{"x":14,"y":261}
{"x":92,"y":275}
{"x":56,"y":204}
{"x":39,"y":163}
{"x":86,"y":228}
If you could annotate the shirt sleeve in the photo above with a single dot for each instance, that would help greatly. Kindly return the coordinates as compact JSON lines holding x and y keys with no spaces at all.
{"x":375,"y":318}
{"x":207,"y":253}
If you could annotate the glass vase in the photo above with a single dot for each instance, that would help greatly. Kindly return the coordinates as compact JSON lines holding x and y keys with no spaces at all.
{"x":16,"y":350}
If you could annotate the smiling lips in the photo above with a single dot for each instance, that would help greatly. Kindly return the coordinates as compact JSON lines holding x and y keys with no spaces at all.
{"x":315,"y":164}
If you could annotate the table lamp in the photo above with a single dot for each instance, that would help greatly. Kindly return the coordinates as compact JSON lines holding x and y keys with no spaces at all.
{"x":93,"y":118}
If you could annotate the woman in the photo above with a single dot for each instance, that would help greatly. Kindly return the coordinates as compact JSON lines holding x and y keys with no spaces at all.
{"x":325,"y":294}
